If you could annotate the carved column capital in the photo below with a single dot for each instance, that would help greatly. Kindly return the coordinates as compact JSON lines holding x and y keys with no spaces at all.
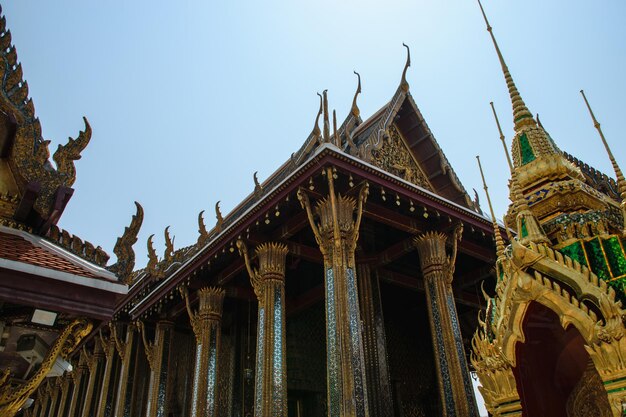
{"x":432,"y":250}
{"x":210,"y":302}
{"x":433,"y":255}
{"x":272,"y":258}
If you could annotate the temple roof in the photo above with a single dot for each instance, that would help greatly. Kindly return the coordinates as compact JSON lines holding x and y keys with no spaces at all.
{"x":33,"y":191}
{"x":27,"y":249}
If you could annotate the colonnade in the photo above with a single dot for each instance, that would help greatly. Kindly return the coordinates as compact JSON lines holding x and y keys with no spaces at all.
{"x":356,"y":369}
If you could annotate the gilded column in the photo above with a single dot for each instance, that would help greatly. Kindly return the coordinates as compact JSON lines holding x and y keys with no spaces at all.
{"x":375,"y":343}
{"x":127,"y":352}
{"x":95,"y":366}
{"x":268,"y":281}
{"x":455,"y":387}
{"x":336,"y":232}
{"x":105,"y":406}
{"x":45,"y":398}
{"x":63,"y":398}
{"x":206,"y":323}
{"x":54,"y":398}
{"x":159,"y":354}
{"x":36,"y":407}
{"x":79,"y":376}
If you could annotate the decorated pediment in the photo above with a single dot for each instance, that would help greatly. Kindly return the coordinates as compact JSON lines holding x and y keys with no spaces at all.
{"x":395,"y":157}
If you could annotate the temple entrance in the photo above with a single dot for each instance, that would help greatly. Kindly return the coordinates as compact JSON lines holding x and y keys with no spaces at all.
{"x":554,"y":374}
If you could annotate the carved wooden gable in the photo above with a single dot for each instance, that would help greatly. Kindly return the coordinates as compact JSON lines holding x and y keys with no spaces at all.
{"x":395,"y":157}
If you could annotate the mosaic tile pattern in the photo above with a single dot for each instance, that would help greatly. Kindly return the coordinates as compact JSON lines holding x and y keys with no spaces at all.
{"x":278,"y":367}
{"x":356,"y":348}
{"x":443,"y":361}
{"x":196,"y":380}
{"x":260,"y":358}
{"x":460,"y":351}
{"x":212,"y":374}
{"x":165,"y":355}
{"x":332,"y":362}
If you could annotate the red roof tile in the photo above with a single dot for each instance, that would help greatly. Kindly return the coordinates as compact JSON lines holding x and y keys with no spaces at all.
{"x":16,"y":248}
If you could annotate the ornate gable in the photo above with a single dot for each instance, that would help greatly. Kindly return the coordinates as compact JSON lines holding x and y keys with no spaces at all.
{"x":395,"y":157}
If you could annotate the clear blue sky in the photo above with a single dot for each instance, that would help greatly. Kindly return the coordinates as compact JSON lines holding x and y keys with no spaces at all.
{"x":187,"y":99}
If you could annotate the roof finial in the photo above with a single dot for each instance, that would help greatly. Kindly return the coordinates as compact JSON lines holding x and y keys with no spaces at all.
{"x":355,"y":109}
{"x":258,"y":190}
{"x":335,"y":133}
{"x":153,"y":260}
{"x":204,"y":234}
{"x":403,"y":83}
{"x":621,"y":181}
{"x":521,"y":114}
{"x":169,"y":246}
{"x":496,"y":228}
{"x":218,"y":216}
{"x":326,"y":121}
{"x":506,"y":150}
{"x":316,"y":127}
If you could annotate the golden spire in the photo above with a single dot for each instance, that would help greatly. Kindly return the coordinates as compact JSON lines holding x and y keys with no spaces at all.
{"x":496,"y":228}
{"x":621,"y":181}
{"x":355,"y":109}
{"x":326,"y":122}
{"x":521,"y":115}
{"x":506,"y":150}
{"x":403,"y":83}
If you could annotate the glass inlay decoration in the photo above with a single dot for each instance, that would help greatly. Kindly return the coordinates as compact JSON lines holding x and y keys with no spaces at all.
{"x":355,"y":343}
{"x":605,"y":257}
{"x":162,"y":393}
{"x":332,"y":360}
{"x":260,"y":357}
{"x":526,"y":151}
{"x":196,"y":380}
{"x":277,"y":359}
{"x":441,"y":356}
{"x":212,"y":373}
{"x":460,"y":351}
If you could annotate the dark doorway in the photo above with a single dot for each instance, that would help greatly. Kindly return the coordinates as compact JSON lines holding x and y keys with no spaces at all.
{"x":551,"y":364}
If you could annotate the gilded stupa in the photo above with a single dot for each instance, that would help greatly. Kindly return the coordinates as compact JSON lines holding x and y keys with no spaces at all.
{"x":551,"y":341}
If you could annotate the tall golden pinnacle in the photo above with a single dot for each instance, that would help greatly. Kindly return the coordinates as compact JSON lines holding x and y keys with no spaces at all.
{"x":521,"y":115}
{"x":506,"y":150}
{"x":621,"y":181}
{"x":496,"y":228}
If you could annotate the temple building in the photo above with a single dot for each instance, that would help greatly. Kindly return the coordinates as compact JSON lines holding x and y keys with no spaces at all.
{"x":551,"y":341}
{"x":348,"y":283}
